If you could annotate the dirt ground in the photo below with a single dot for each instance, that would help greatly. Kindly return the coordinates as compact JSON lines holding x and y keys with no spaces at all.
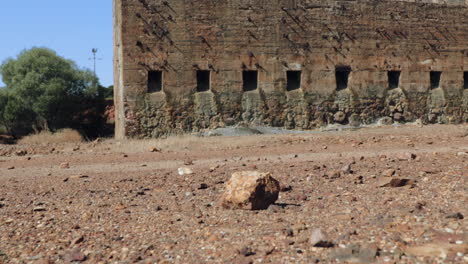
{"x":381,"y":195}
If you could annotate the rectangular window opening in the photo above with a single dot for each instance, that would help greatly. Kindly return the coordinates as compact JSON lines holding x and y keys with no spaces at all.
{"x":342,"y":77}
{"x":435,"y":79}
{"x":250,"y":80}
{"x":155,"y":81}
{"x":465,"y":80}
{"x":293,"y":80}
{"x":203,"y":81}
{"x":393,"y":79}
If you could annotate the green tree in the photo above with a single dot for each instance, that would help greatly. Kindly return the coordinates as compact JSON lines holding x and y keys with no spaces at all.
{"x":46,"y":91}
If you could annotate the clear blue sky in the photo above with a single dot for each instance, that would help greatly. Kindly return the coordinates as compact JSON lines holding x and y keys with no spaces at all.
{"x":71,"y":28}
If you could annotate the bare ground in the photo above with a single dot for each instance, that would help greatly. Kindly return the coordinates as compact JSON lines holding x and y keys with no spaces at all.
{"x":119,"y":202}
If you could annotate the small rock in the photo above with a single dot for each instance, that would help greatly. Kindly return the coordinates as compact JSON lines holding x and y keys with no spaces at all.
{"x":74,"y":255}
{"x":185,"y":171}
{"x":299,"y":197}
{"x":77,"y":240}
{"x":335,"y":174}
{"x":64,"y":165}
{"x":406,"y":156}
{"x":400,"y":182}
{"x":460,"y":154}
{"x":396,"y":182}
{"x":285,"y":188}
{"x":251,"y":190}
{"x":203,"y":186}
{"x":246,"y":251}
{"x":39,"y":209}
{"x":289,"y":232}
{"x":354,"y":254}
{"x":347,"y":169}
{"x":21,"y":153}
{"x":79,"y":177}
{"x":154,"y":149}
{"x":458,"y":216}
{"x":11,"y":168}
{"x":320,"y":239}
{"x":389,"y":173}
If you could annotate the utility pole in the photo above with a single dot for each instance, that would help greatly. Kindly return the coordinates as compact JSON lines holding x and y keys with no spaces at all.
{"x":94,"y":58}
{"x":94,"y":51}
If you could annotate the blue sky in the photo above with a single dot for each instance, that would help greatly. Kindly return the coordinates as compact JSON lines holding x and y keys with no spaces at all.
{"x":71,"y":28}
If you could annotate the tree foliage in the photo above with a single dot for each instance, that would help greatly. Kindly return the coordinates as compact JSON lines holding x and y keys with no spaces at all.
{"x":46,"y":91}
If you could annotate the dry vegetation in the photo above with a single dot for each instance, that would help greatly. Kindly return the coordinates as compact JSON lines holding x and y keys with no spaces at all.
{"x":62,"y":136}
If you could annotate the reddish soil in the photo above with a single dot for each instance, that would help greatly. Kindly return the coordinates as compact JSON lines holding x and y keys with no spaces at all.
{"x":383,"y":195}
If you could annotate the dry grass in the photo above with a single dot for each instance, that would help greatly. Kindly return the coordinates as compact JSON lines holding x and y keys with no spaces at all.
{"x":62,"y":136}
{"x":191,"y":142}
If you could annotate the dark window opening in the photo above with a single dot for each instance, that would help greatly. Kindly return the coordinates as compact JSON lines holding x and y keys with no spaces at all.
{"x":342,"y":77}
{"x":293,"y":80}
{"x":155,"y":81}
{"x":465,"y":80}
{"x":435,"y":79}
{"x":250,"y":80}
{"x":393,"y":79}
{"x":203,"y":81}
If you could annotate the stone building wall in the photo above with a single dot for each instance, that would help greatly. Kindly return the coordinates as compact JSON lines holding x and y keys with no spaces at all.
{"x":356,"y":61}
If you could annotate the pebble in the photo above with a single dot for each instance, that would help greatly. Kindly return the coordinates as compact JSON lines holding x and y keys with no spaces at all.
{"x":320,"y":239}
{"x":458,"y":216}
{"x":335,"y":174}
{"x":185,"y":171}
{"x":389,"y":173}
{"x":246,"y":251}
{"x":347,"y":169}
{"x":77,"y":240}
{"x":449,"y":230}
{"x":154,"y":149}
{"x":39,"y":209}
{"x":406,"y":156}
{"x":74,"y":255}
{"x":396,"y":182}
{"x":203,"y":186}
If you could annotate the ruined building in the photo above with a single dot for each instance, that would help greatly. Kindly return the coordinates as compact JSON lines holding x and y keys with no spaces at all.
{"x":188,"y":65}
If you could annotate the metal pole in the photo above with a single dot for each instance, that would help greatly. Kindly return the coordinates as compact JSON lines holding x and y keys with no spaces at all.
{"x":94,"y":51}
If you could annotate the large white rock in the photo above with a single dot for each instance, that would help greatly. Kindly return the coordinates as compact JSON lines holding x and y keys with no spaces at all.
{"x":250,"y":190}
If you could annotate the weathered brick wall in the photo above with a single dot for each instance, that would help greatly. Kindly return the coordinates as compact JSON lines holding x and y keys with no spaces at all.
{"x":226,"y":37}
